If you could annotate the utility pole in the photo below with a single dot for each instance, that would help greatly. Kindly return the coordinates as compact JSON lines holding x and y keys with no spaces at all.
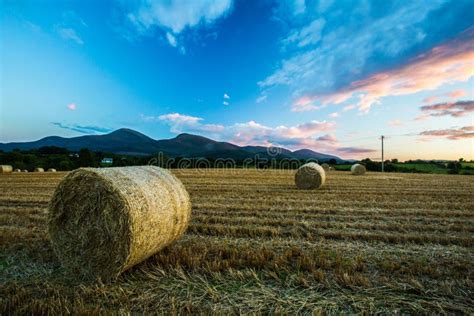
{"x":382,"y":152}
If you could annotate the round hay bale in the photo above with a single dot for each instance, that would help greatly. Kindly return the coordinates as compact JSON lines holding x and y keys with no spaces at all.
{"x":104,"y":221}
{"x":39,"y":170}
{"x":331,"y":169}
{"x":310,"y":176}
{"x":17,"y":170}
{"x":6,"y":168}
{"x":24,"y":170}
{"x":358,"y":169}
{"x":51,"y":170}
{"x":325,"y":166}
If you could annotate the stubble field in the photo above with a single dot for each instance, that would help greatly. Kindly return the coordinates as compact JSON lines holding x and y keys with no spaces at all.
{"x":388,"y":243}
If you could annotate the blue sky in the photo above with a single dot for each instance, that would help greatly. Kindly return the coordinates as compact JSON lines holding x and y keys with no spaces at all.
{"x":329,"y":75}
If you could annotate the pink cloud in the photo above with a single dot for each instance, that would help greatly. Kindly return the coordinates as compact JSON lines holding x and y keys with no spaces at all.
{"x":451,"y":62}
{"x":430,"y":99}
{"x":334,"y":115}
{"x":395,"y":123}
{"x":456,"y":94}
{"x":454,"y":109}
{"x":452,"y":133}
{"x":72,"y":106}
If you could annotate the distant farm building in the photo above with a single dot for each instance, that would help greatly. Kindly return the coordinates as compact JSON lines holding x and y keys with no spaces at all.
{"x":107,"y":161}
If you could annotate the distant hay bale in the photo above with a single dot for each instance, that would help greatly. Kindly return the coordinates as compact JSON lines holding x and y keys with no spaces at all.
{"x":39,"y":170}
{"x":51,"y":170}
{"x":310,"y":176}
{"x":325,"y":167}
{"x":358,"y":169}
{"x":331,"y":169}
{"x":24,"y":170}
{"x":6,"y":168}
{"x":17,"y":170}
{"x":104,"y":221}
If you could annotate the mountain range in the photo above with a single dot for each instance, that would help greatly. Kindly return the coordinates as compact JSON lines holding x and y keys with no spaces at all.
{"x":129,"y":142}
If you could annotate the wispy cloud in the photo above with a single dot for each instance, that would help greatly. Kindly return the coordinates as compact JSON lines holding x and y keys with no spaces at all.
{"x":454,"y":109}
{"x":451,"y":133}
{"x":455,"y":94}
{"x":395,"y":123}
{"x":69,"y":25}
{"x":356,"y":150}
{"x":450,"y":62}
{"x":171,"y":39}
{"x":181,"y":123}
{"x":174,"y":16}
{"x":84,"y":129}
{"x":261,"y":98}
{"x":226,"y":96}
{"x":225,"y":103}
{"x":68,"y":33}
{"x":72,"y":106}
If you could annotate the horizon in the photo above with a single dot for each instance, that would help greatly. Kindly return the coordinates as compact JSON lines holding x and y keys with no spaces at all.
{"x":329,"y":76}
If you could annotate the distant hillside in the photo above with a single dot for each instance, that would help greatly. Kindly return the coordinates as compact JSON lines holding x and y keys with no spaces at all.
{"x":127,"y":141}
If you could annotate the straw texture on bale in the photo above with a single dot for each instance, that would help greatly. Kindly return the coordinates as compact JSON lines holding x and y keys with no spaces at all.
{"x":51,"y":170}
{"x":325,"y":166}
{"x":310,"y":176}
{"x":39,"y":170}
{"x":104,"y":221}
{"x":358,"y":169}
{"x":5,"y":169}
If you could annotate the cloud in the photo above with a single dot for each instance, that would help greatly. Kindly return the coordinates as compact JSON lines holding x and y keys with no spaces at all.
{"x":225,"y":103}
{"x":395,"y":123}
{"x":447,"y":63}
{"x":226,"y":96}
{"x":70,"y":23}
{"x":374,"y":38}
{"x":349,"y":107}
{"x":455,"y":94}
{"x":171,"y":39}
{"x":309,"y":35}
{"x":84,"y":129}
{"x":451,"y":134}
{"x":316,"y":135}
{"x":181,"y":123}
{"x":70,"y":34}
{"x":356,"y":150}
{"x":334,"y":115}
{"x":175,"y":16}
{"x":454,"y":109}
{"x":178,"y":118}
{"x":261,"y":98}
{"x":72,"y":106}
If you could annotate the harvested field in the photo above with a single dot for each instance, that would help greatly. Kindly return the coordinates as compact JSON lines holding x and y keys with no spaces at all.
{"x":388,"y":243}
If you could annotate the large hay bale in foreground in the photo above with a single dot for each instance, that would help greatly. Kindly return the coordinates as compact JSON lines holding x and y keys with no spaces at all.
{"x":104,"y":221}
{"x":310,"y":176}
{"x":51,"y":170}
{"x":39,"y":170}
{"x":6,"y":168}
{"x":358,"y":169}
{"x":325,"y":166}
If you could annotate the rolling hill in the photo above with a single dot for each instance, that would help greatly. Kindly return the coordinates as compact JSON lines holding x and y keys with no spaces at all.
{"x":130,"y":142}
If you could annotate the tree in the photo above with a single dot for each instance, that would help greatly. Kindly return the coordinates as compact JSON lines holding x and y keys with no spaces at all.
{"x":85,"y":158}
{"x":332,"y":161}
